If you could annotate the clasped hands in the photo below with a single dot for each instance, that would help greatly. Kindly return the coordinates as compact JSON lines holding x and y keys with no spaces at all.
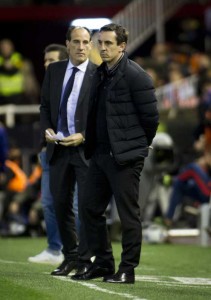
{"x":73,"y":140}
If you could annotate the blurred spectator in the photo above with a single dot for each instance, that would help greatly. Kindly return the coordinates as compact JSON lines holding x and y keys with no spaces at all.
{"x":155,"y":181}
{"x":191,"y":32}
{"x":160,"y":53}
{"x":13,"y":182}
{"x":18,"y":84}
{"x":29,"y":203}
{"x":194,"y":182}
{"x":16,"y":179}
{"x":11,"y":76}
{"x":3,"y":156}
{"x":160,"y":58}
{"x":204,"y":110}
{"x":199,"y":63}
{"x":150,"y":68}
{"x":20,"y":195}
{"x":175,"y":72}
{"x":155,"y":76}
{"x":207,"y":18}
{"x":31,"y":85}
{"x":3,"y":147}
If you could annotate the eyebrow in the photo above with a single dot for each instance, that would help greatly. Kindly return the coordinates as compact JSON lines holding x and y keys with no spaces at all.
{"x":106,"y":41}
{"x":78,"y":39}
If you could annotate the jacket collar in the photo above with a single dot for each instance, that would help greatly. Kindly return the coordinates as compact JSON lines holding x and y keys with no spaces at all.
{"x":119,"y":72}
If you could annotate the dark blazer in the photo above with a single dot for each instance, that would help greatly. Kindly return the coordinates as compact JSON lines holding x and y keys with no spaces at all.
{"x":51,"y":96}
{"x":131,"y":112}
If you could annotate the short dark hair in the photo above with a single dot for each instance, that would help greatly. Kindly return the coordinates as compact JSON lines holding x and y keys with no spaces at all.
{"x":57,"y":47}
{"x":71,"y":28}
{"x":121,"y":32}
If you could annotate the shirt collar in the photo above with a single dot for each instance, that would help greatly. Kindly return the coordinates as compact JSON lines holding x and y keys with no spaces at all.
{"x":114,"y":68}
{"x":82,"y":67}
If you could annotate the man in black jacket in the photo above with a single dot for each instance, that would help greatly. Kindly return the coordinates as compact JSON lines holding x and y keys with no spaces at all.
{"x":63,"y":112}
{"x":122,"y":122}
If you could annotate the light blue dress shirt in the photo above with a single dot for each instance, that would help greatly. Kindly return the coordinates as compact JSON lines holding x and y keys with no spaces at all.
{"x":74,"y":95}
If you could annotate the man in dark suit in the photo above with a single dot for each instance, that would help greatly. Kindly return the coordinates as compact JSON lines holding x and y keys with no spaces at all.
{"x":63,"y":111}
{"x":122,"y":121}
{"x":53,"y":255}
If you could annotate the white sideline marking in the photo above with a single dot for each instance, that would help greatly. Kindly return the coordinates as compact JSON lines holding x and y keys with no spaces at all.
{"x":143,"y":268}
{"x":12,"y":262}
{"x":97,"y":288}
{"x":171,"y":280}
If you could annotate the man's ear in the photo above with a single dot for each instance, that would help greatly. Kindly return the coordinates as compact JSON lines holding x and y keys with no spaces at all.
{"x":122,"y":46}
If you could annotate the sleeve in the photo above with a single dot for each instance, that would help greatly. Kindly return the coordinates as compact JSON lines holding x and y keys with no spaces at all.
{"x":143,"y":95}
{"x":45,"y":118}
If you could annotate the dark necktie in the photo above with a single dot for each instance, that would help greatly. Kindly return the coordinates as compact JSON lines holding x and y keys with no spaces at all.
{"x":63,"y":125}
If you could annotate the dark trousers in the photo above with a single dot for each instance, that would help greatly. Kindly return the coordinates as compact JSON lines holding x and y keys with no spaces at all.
{"x":67,"y":167}
{"x":105,"y":177}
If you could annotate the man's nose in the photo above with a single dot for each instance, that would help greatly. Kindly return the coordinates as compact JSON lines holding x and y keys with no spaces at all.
{"x":81,"y":45}
{"x":102,"y":46}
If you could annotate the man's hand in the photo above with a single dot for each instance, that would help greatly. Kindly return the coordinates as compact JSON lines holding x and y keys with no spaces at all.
{"x":50,"y":135}
{"x":73,"y":140}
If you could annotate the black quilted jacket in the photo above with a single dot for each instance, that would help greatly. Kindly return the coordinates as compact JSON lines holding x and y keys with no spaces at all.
{"x":131,"y":112}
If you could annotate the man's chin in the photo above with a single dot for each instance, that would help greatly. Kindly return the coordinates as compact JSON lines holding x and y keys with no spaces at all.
{"x":105,"y":59}
{"x":81,"y":60}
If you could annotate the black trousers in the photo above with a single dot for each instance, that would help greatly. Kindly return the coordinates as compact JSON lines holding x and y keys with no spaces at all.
{"x":67,"y":167}
{"x":105,"y":177}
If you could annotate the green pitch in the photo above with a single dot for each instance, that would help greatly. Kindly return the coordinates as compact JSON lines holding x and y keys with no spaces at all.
{"x":177,"y":272}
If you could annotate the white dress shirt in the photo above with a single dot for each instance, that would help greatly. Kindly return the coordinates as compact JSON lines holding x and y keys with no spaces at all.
{"x":74,"y":95}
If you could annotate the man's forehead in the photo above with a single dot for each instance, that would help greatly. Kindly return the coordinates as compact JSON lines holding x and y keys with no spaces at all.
{"x":80,"y":33}
{"x":107,"y":35}
{"x":52,"y":54}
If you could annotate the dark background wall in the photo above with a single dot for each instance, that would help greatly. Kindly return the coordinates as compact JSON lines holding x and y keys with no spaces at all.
{"x":31,"y":28}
